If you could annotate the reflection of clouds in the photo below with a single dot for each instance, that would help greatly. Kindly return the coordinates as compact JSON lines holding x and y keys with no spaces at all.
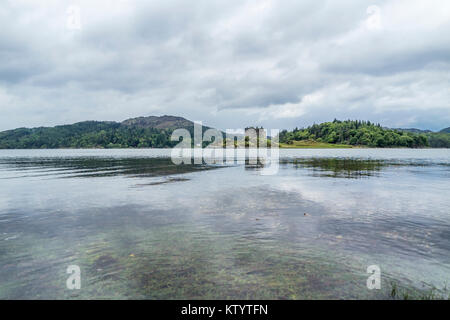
{"x":4,"y":201}
{"x":400,"y":215}
{"x":394,"y":194}
{"x":301,"y":188}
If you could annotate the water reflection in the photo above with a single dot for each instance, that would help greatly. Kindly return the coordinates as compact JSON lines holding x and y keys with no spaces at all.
{"x":255,"y":163}
{"x":341,"y":168}
{"x":356,"y":168}
{"x":89,"y":167}
{"x":140,"y":227}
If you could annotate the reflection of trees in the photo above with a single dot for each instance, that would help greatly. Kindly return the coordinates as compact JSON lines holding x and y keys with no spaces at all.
{"x":340,"y":168}
{"x":254,"y":163}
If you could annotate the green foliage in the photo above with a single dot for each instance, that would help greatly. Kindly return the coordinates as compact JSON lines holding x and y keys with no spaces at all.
{"x":89,"y":134}
{"x":155,"y":132}
{"x":431,"y":293}
{"x":356,"y":133}
{"x":439,"y":139}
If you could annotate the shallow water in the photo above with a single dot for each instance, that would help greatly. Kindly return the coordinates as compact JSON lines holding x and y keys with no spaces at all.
{"x":141,"y":227}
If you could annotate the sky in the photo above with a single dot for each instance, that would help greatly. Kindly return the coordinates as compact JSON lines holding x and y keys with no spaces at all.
{"x":230,"y":64}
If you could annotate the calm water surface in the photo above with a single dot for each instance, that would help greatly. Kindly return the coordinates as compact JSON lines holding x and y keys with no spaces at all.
{"x":140,"y":227}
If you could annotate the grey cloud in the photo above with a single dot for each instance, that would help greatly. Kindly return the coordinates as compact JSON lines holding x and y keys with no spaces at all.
{"x":213,"y":59}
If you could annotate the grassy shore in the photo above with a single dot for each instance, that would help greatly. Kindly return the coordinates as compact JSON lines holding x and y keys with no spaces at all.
{"x":314,"y":145}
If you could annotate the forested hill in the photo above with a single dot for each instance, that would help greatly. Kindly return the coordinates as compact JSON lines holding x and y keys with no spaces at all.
{"x":365,"y":133}
{"x":440,"y":139}
{"x":155,"y":132}
{"x":142,"y":132}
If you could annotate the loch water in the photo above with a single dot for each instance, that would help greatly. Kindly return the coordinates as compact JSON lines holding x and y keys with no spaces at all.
{"x":140,"y":227}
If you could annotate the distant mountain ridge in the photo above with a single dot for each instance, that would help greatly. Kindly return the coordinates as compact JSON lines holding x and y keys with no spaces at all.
{"x":155,"y":132}
{"x":162,"y":122}
{"x":141,"y":132}
{"x":413,"y":130}
{"x":436,"y":139}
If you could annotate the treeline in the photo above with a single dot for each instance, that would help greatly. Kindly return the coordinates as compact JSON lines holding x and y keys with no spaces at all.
{"x":356,"y":132}
{"x":439,"y":139}
{"x":89,"y":134}
{"x":128,"y":134}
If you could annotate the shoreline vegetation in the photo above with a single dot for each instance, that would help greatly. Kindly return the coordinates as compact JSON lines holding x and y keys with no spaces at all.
{"x":356,"y":133}
{"x":155,"y":132}
{"x":311,"y":144}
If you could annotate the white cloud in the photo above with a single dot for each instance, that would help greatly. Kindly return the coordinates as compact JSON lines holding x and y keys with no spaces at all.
{"x":290,"y":110}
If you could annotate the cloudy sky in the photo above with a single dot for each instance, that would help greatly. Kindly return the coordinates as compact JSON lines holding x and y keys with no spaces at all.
{"x":228,"y":63}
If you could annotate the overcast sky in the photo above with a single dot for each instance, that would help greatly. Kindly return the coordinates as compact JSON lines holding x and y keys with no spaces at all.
{"x":228,"y":63}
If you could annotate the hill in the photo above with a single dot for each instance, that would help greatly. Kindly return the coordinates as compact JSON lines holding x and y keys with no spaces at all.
{"x":355,"y":133}
{"x":440,"y":139}
{"x":163,"y":122}
{"x":155,"y":132}
{"x":142,"y":132}
{"x":413,"y":130}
